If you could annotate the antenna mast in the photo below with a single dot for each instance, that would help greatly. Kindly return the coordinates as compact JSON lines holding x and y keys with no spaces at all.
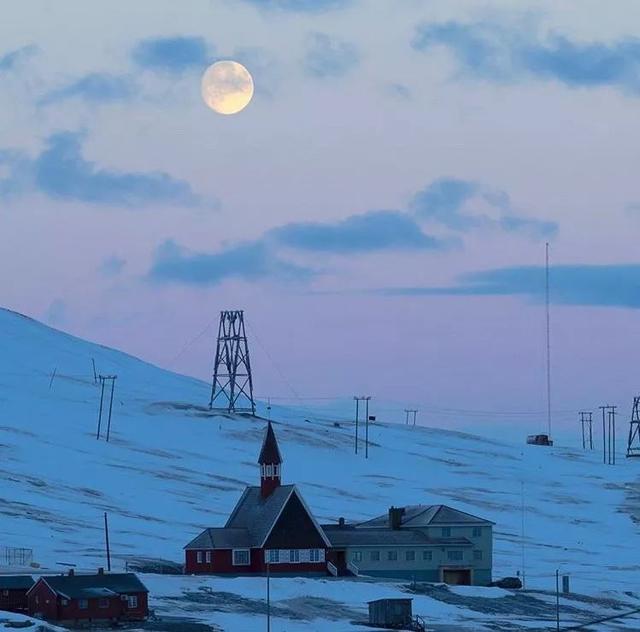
{"x":548,"y":337}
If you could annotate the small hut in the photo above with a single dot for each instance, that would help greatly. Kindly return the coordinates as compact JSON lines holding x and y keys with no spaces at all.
{"x":390,"y":613}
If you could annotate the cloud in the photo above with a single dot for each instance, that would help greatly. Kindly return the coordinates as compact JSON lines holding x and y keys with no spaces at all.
{"x":9,"y":61}
{"x":328,"y":56}
{"x":369,"y":232}
{"x":112,"y":266}
{"x":249,"y":261}
{"x":299,"y":6}
{"x":616,"y":285}
{"x":495,"y":53}
{"x":61,"y":172}
{"x":447,"y":200}
{"x":174,"y":55}
{"x":95,"y":88}
{"x":398,"y":90}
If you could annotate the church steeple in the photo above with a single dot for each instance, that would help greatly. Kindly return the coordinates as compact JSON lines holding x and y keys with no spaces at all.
{"x":270,"y":463}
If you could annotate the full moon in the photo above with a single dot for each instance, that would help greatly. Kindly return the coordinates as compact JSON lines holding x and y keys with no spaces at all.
{"x":227,"y":87}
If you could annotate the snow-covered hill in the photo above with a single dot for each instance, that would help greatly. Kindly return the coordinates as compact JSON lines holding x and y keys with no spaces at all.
{"x":171,"y":468}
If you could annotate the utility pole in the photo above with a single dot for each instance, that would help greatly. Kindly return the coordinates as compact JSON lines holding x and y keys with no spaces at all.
{"x":362,"y":398}
{"x":558,"y":600}
{"x":612,"y":435}
{"x":411,"y":411}
{"x":586,"y":422}
{"x":522,"y":533}
{"x":548,"y":338}
{"x":106,"y":539}
{"x":103,"y":380}
{"x":268,"y":597}
{"x":609,"y":434}
{"x":633,"y":443}
{"x":604,"y":433}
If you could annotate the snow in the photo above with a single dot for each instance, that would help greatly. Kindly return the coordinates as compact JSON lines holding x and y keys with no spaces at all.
{"x":172,"y":468}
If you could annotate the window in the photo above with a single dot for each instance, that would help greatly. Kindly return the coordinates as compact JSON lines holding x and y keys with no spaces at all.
{"x":357,"y":556}
{"x":314,"y":555}
{"x":65,"y":602}
{"x":477,"y":555}
{"x":427,"y":556}
{"x":132,"y":601}
{"x":103,"y":603}
{"x":207,"y":557}
{"x":269,"y":470}
{"x":454,"y":556}
{"x":375,"y":556}
{"x":410,"y":556}
{"x":5,"y":593}
{"x":37,"y":600}
{"x":273,"y":556}
{"x":477,"y":532}
{"x":83,"y":604}
{"x":199,"y":557}
{"x":240,"y":557}
{"x":392,"y":556}
{"x":294,"y":556}
{"x":446,"y":532}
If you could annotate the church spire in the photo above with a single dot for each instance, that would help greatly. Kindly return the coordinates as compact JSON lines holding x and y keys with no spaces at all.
{"x":270,"y":462}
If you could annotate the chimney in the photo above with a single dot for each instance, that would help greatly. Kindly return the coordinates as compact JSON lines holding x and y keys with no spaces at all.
{"x":395,"y":517}
{"x":71,"y":572}
{"x":101,"y":571}
{"x":341,"y":522}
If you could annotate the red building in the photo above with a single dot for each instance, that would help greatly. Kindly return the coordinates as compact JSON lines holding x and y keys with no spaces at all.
{"x":101,"y":597}
{"x":270,"y":525}
{"x":13,"y":592}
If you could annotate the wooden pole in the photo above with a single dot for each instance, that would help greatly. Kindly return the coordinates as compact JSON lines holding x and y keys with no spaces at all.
{"x":113,"y":385}
{"x":100,"y":411}
{"x":268,"y":598}
{"x":106,"y":540}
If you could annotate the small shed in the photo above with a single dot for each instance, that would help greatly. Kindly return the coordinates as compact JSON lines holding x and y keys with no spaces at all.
{"x":390,"y":613}
{"x":13,"y":592}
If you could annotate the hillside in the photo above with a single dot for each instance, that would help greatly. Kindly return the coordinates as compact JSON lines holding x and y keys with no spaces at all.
{"x":172,"y":468}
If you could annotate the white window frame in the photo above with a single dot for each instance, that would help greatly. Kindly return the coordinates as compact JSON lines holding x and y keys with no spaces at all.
{"x":314,"y":555}
{"x":477,"y":532}
{"x":207,"y":557}
{"x":375,"y":556}
{"x":270,"y":471}
{"x":198,"y":557}
{"x":357,"y":556}
{"x":427,"y":556}
{"x":294,"y":556}
{"x":83,"y":604}
{"x":233,"y":557}
{"x":446,"y":532}
{"x":392,"y":556}
{"x":132,"y":602}
{"x":272,"y":556}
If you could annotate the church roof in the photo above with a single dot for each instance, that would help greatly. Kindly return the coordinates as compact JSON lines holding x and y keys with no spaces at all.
{"x":270,"y":452}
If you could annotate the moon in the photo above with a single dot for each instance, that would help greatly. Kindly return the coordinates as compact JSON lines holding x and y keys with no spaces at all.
{"x":227,"y":87}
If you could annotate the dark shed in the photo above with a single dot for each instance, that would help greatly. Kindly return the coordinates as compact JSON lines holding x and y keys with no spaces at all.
{"x":390,"y":612}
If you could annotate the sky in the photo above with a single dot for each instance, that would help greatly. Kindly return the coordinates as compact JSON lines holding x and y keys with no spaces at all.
{"x":379,"y":210}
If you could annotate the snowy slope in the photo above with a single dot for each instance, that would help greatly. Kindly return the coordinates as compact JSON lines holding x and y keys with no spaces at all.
{"x":172,"y":468}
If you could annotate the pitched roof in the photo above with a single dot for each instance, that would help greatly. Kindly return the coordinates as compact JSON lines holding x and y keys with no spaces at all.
{"x":353,"y":536}
{"x":221,"y":538}
{"x":270,"y":452}
{"x":16,"y":582}
{"x":100,"y":585}
{"x":428,"y":515}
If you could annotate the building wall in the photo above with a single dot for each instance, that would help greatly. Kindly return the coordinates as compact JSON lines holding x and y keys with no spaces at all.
{"x":422,"y":569}
{"x":43,"y":602}
{"x":14,"y":601}
{"x":222,"y":563}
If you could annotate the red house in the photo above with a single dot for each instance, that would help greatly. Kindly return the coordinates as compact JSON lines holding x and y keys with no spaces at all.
{"x":101,"y":597}
{"x":271,"y":525}
{"x":13,"y":592}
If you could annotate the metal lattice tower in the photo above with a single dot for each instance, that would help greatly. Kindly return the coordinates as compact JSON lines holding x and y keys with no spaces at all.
{"x":232,"y":388}
{"x":633,"y":446}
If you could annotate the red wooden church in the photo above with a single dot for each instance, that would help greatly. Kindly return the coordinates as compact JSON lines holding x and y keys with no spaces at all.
{"x":270,"y":525}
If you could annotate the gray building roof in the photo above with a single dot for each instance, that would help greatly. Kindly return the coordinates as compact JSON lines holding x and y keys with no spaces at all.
{"x":91,"y":586}
{"x":221,"y":538}
{"x":16,"y":582}
{"x":428,"y":515}
{"x":355,"y":536}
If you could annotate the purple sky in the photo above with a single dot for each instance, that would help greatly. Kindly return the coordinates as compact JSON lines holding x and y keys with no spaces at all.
{"x":379,"y":210}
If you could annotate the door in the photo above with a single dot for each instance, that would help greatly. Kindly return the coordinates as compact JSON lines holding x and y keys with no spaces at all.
{"x":457,"y":576}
